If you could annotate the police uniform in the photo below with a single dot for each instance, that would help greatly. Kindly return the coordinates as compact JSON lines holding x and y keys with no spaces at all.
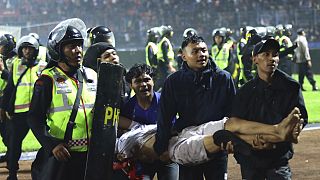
{"x":165,"y":55}
{"x":151,"y":54}
{"x":54,"y":95}
{"x":16,"y":101}
{"x":285,"y":62}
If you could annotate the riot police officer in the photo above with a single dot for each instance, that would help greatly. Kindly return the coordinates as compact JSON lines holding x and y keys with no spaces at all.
{"x":7,"y":53}
{"x":151,"y":47}
{"x":165,"y":56}
{"x":97,"y":34}
{"x":17,"y":97}
{"x":221,"y":53}
{"x":62,"y":84}
{"x":286,"y":58}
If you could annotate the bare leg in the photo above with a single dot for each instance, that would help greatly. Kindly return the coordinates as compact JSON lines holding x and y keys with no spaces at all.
{"x":279,"y":132}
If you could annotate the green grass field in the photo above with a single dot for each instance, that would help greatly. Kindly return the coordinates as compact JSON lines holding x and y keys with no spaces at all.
{"x":312,"y":101}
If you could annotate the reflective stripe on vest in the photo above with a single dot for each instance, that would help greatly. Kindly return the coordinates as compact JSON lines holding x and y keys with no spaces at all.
{"x":289,"y":44}
{"x":220,"y":57}
{"x":154,"y":49}
{"x":170,"y":50}
{"x":63,"y":97}
{"x":25,"y":87}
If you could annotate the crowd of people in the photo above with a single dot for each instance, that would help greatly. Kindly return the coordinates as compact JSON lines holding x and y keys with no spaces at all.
{"x":130,"y":19}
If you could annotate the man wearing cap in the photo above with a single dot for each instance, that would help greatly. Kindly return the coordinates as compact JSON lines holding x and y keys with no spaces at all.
{"x":268,"y":98}
{"x":303,"y":59}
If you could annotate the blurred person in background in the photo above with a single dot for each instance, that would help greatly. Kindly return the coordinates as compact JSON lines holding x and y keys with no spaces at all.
{"x":17,"y":97}
{"x":151,"y":47}
{"x":7,"y":54}
{"x":285,"y":43}
{"x":303,"y":59}
{"x":95,"y":35}
{"x":165,"y":56}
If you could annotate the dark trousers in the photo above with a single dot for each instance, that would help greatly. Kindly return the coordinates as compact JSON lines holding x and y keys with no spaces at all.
{"x":304,"y":70}
{"x":164,"y":171}
{"x":215,"y":169}
{"x":18,"y":129}
{"x":278,"y":173}
{"x":4,"y":132}
{"x":75,"y":167}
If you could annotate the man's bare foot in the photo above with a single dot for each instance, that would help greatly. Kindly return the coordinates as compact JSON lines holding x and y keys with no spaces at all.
{"x":286,"y":126}
{"x":296,"y":132}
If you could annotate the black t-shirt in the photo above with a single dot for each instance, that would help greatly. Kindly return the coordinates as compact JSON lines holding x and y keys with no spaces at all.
{"x":269,"y":104}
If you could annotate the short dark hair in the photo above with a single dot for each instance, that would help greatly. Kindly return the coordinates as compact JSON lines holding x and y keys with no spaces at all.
{"x":137,"y":70}
{"x":191,"y":39}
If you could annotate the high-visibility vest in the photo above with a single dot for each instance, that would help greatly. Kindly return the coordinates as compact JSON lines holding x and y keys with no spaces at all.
{"x":3,"y":83}
{"x":221,"y":56}
{"x":25,"y":87}
{"x":289,"y":44}
{"x":155,"y":51}
{"x":64,"y":92}
{"x":239,"y":56}
{"x":170,"y":50}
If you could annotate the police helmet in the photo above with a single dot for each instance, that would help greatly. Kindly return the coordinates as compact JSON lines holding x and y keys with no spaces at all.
{"x":35,"y":35}
{"x":69,"y":30}
{"x":251,"y":33}
{"x":101,"y":34}
{"x":271,"y":31}
{"x":28,"y":41}
{"x":153,"y":34}
{"x":166,"y":31}
{"x":9,"y":43}
{"x":60,"y":37}
{"x":279,"y":29}
{"x":288,"y":29}
{"x":219,"y":32}
{"x":189,"y":32}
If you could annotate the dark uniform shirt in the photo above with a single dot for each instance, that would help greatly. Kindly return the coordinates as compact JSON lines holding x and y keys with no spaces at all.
{"x":197,"y":98}
{"x":268,"y":104}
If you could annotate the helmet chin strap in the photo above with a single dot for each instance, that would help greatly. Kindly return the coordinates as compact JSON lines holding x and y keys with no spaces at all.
{"x":72,"y":68}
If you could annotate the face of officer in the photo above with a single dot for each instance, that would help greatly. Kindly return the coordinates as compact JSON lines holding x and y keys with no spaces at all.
{"x":267,"y":62}
{"x":110,"y":56}
{"x":218,"y":40}
{"x":142,"y":86}
{"x":73,"y":53}
{"x":28,"y":52}
{"x":196,"y":55}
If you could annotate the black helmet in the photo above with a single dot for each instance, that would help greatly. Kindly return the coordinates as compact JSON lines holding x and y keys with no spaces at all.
{"x":60,"y":36}
{"x":189,"y":32}
{"x":153,"y":34}
{"x":9,"y":43}
{"x":101,"y":34}
{"x":28,"y":41}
